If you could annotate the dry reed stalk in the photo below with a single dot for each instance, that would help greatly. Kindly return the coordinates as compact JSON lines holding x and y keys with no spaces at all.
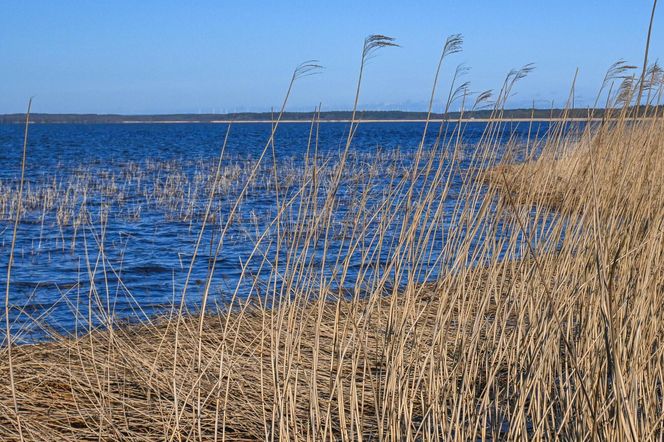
{"x":8,"y":335}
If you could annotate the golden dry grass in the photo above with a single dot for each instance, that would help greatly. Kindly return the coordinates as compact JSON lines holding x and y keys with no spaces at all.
{"x":563,"y":343}
{"x":548,"y":328}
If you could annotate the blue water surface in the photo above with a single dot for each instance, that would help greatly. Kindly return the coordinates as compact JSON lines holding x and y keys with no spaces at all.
{"x":127,"y":257}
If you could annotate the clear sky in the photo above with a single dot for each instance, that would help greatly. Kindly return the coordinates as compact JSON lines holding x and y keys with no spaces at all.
{"x":166,"y":56}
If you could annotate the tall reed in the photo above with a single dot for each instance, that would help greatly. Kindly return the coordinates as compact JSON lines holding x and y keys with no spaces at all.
{"x":541,"y":322}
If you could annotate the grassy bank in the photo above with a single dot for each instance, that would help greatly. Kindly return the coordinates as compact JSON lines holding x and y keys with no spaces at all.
{"x":545,"y":321}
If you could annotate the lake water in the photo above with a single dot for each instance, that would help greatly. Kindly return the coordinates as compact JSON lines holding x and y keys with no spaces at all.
{"x":122,"y":206}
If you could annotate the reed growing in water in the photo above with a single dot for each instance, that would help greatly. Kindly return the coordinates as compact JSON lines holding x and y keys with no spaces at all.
{"x":545,"y":321}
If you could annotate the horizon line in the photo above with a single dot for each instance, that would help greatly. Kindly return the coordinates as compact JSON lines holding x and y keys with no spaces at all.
{"x":311,"y":112}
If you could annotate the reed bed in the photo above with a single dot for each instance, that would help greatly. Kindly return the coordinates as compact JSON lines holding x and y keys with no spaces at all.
{"x":178,"y":189}
{"x":544,"y":320}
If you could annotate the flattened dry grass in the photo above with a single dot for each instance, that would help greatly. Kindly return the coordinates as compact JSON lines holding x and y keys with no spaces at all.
{"x":295,"y":365}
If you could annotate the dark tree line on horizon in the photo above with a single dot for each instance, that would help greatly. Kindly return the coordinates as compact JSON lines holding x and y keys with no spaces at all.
{"x":579,"y":113}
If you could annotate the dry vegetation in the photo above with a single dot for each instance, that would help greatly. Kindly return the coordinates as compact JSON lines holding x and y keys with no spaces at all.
{"x":563,"y":343}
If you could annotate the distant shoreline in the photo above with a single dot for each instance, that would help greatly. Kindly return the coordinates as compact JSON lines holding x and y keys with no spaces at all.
{"x":463,"y":120}
{"x":346,"y":121}
{"x":478,"y":116}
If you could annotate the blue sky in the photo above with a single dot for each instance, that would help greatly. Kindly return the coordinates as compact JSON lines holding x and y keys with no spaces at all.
{"x":202,"y":56}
